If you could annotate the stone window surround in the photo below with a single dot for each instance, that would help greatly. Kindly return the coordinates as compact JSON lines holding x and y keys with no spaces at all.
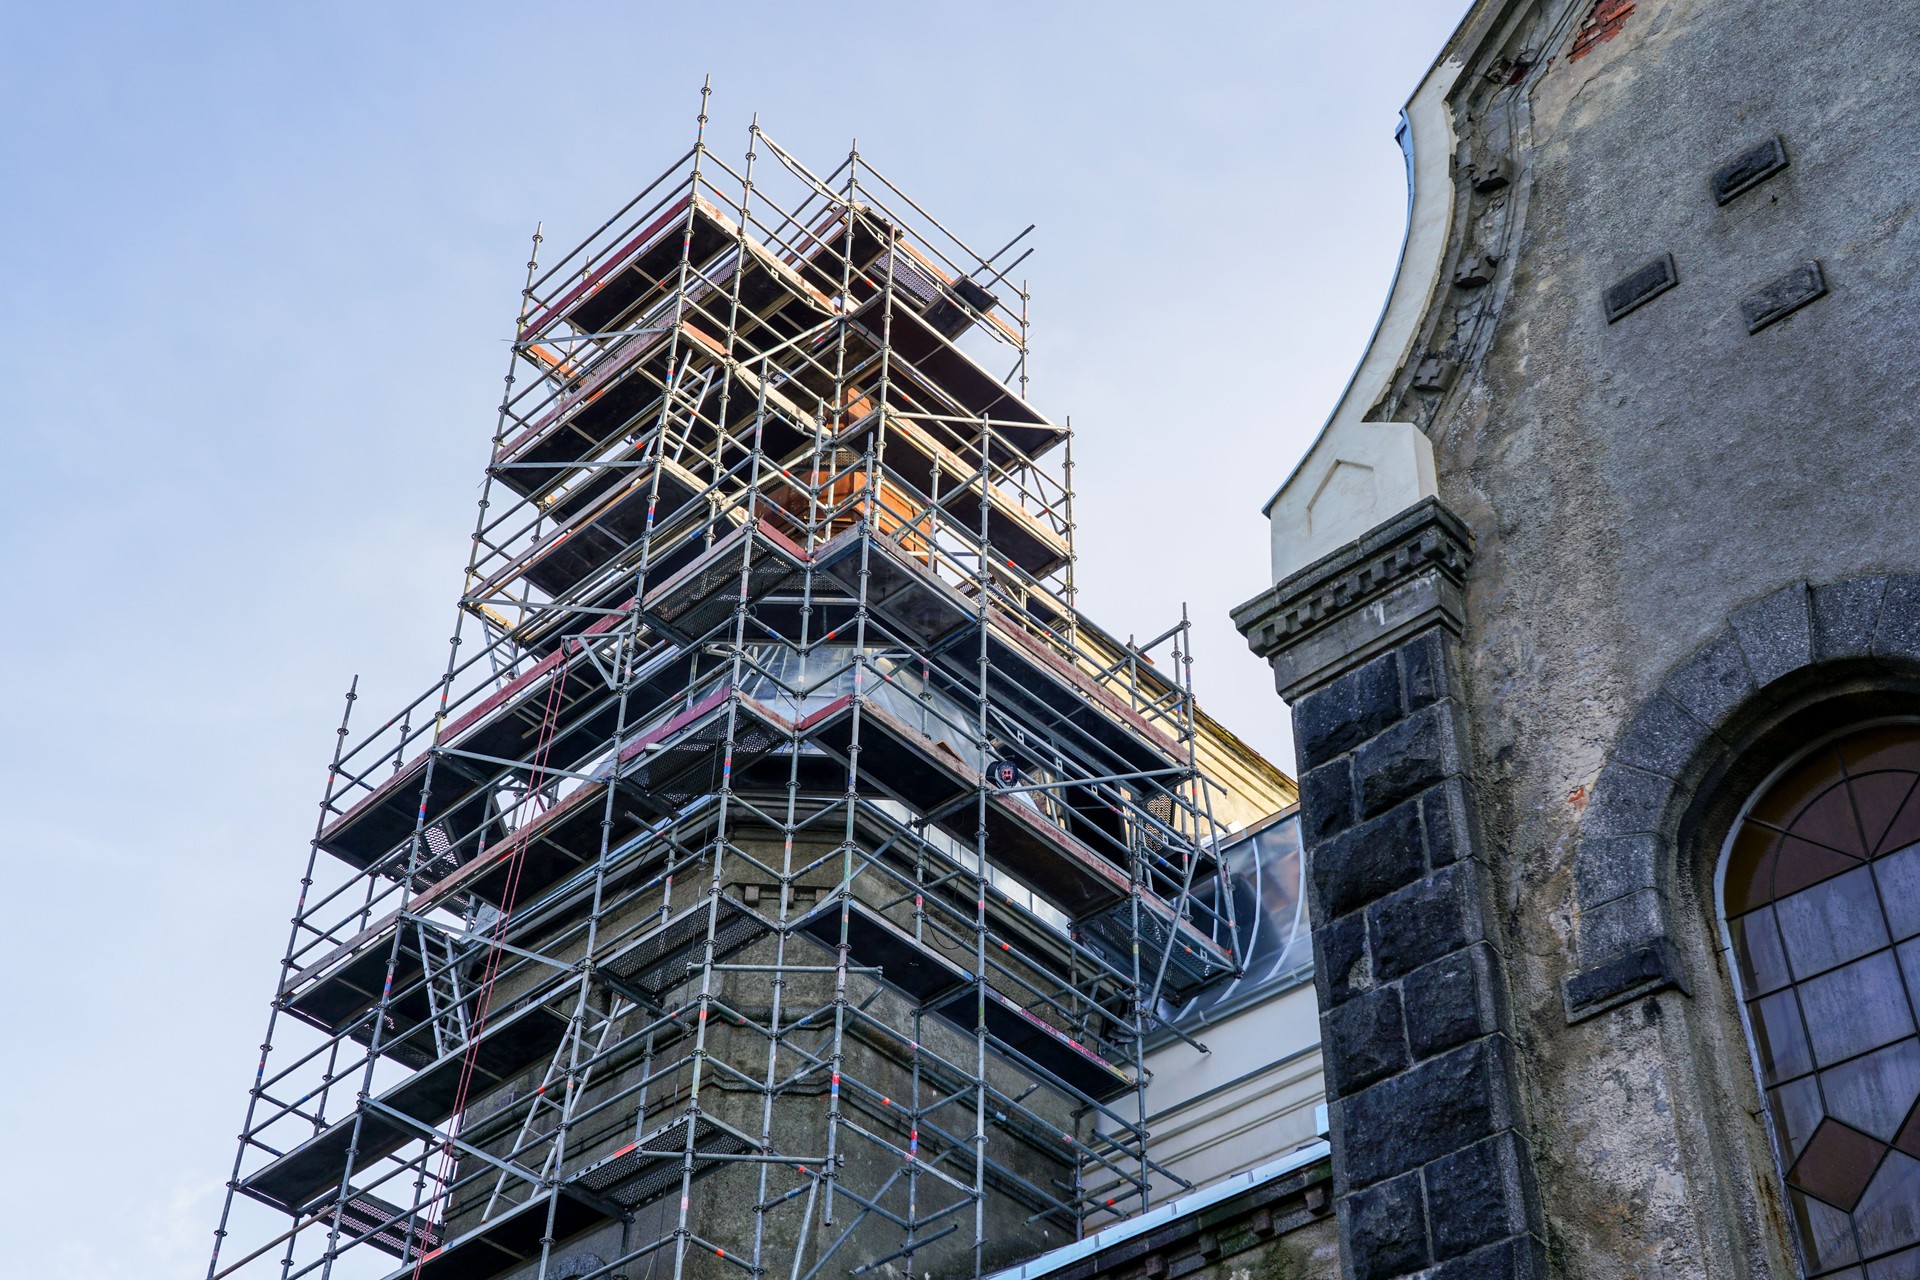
{"x":1781,"y":672}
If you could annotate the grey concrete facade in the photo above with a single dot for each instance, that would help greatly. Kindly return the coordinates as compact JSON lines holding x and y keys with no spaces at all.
{"x":1667,"y":386}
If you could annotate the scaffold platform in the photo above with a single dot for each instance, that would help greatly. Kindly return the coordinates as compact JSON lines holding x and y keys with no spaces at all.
{"x":784,"y":875}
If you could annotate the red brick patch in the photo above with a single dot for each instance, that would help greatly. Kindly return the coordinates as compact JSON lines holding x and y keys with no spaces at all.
{"x":1602,"y":25}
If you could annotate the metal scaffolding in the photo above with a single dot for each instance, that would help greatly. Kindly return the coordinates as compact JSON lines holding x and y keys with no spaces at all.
{"x":784,"y":877}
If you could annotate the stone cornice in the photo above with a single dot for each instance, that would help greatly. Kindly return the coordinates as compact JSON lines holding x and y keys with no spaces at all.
{"x":1397,"y":578}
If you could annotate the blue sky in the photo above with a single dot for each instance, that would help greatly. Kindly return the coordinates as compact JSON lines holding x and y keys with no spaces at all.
{"x":261,"y":264}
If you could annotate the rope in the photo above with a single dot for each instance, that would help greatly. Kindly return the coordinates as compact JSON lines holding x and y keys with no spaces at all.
{"x":497,"y":936}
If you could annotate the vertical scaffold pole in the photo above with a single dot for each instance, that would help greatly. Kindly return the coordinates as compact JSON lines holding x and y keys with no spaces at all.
{"x":293,"y":940}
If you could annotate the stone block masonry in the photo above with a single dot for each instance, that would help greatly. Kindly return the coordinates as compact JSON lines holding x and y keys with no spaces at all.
{"x":1433,"y":1171}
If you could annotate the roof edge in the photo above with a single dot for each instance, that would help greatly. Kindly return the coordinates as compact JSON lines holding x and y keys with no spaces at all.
{"x":1225,"y":1189}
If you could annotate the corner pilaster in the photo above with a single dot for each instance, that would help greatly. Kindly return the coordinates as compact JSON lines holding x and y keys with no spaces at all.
{"x":1432,"y":1167}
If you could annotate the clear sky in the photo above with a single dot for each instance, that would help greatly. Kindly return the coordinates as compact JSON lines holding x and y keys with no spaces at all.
{"x":261,"y":262}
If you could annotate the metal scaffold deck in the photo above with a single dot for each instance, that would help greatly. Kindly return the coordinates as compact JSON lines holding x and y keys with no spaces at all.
{"x":784,"y":877}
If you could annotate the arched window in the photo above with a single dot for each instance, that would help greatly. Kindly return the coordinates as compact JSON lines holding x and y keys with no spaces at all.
{"x":1821,"y":893}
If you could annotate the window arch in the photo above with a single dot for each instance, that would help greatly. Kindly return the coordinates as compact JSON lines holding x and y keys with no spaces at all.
{"x":1820,"y":895}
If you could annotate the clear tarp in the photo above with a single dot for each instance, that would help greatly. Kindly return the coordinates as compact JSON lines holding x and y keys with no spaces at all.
{"x":1266,"y":870}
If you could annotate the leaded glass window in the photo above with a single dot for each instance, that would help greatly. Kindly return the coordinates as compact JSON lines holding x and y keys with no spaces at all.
{"x":1822,"y":898}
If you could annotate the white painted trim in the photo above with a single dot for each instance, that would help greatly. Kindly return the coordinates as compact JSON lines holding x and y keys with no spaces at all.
{"x":1395,"y":458}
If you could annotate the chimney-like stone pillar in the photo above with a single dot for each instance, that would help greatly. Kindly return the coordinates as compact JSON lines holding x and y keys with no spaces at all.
{"x":1432,"y":1165}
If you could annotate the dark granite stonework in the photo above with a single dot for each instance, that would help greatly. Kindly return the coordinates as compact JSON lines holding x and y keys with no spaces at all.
{"x":1693,"y":556}
{"x":1414,"y":1026}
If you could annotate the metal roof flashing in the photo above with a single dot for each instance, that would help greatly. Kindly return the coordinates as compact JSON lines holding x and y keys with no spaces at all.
{"x":1205,"y":1197}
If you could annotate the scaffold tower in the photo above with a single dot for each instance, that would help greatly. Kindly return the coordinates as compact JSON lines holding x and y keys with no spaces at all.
{"x":784,"y":877}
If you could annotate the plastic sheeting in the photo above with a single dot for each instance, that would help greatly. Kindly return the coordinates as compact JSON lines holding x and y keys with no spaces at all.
{"x":1266,"y":870}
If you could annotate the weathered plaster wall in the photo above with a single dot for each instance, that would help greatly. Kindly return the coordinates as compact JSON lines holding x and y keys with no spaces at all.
{"x":1631,"y":485}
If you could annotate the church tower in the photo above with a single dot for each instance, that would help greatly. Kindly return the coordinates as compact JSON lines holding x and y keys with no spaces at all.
{"x":784,"y":878}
